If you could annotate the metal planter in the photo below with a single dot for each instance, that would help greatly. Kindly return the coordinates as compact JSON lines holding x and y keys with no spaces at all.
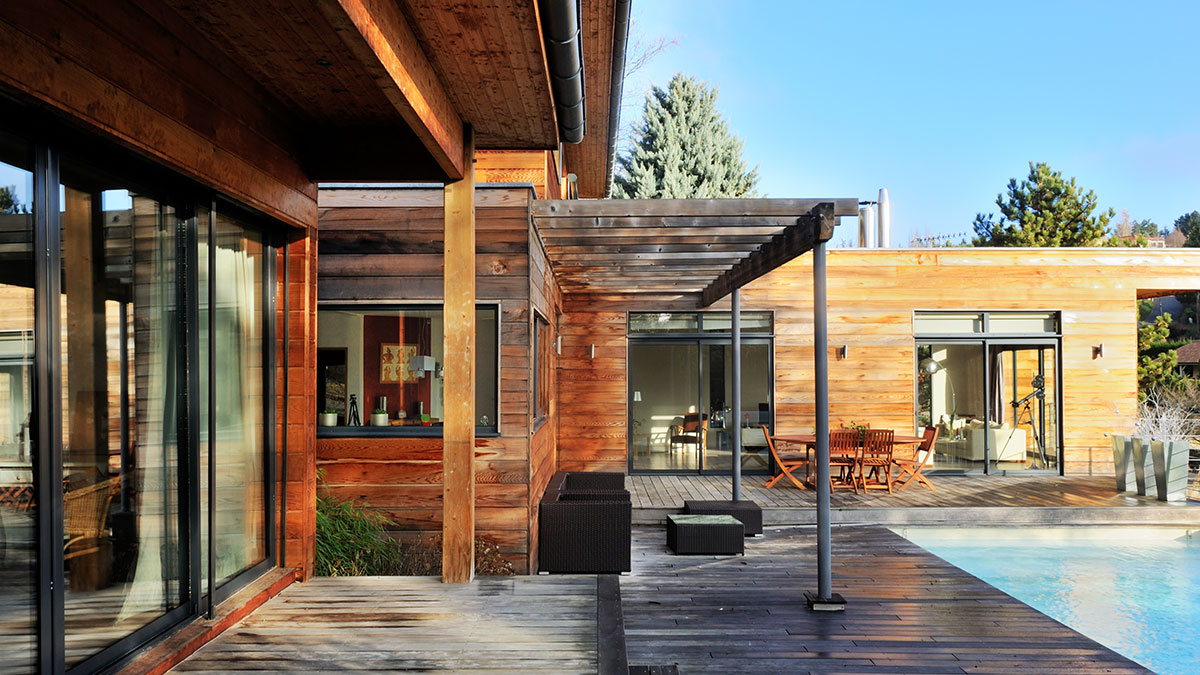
{"x":1170,"y":459}
{"x":1123,"y":462}
{"x":1143,"y":463}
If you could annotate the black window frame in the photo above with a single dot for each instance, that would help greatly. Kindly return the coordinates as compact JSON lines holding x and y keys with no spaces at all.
{"x":366,"y":431}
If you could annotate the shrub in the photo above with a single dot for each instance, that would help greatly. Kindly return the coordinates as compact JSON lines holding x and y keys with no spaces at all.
{"x":353,"y":541}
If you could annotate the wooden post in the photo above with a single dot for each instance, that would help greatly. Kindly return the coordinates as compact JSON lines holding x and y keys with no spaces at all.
{"x":458,"y":425}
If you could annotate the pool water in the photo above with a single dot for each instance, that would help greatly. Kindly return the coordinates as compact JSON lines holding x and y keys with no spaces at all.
{"x":1134,"y":590}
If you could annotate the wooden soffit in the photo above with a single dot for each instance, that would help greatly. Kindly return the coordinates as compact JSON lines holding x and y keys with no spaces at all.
{"x":379,"y":90}
{"x":699,"y":247}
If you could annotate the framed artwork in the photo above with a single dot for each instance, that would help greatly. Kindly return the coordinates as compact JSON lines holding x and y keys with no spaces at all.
{"x":393,"y":363}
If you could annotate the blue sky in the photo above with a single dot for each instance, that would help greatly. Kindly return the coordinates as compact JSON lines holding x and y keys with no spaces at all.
{"x":942,"y":103}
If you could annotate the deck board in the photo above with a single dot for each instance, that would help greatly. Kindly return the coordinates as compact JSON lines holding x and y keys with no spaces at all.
{"x":664,"y":491}
{"x":517,"y":624}
{"x":908,"y":611}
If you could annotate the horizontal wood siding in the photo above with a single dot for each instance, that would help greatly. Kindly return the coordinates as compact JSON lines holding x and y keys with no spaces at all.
{"x":138,"y":74}
{"x":872,"y":295}
{"x":386,"y":246}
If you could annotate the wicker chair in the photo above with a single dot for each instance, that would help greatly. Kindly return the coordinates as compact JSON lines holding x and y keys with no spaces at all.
{"x":584,"y":530}
{"x":85,"y":514}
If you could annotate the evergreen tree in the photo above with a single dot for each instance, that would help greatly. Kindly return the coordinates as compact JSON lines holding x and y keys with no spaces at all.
{"x":8,"y":200}
{"x":1188,"y":223}
{"x":1043,"y":210}
{"x":683,"y":149}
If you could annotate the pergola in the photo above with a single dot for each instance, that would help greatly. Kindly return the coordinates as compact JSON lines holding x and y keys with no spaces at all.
{"x":706,"y":249}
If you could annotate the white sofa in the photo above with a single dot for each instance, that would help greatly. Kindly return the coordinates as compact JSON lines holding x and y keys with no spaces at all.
{"x":1007,"y":443}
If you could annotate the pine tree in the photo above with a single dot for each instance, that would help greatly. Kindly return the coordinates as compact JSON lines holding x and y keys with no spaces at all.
{"x":1043,"y":210}
{"x":684,"y":149}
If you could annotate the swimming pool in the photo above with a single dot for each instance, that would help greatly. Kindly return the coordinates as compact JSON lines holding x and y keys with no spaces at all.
{"x":1134,"y":590}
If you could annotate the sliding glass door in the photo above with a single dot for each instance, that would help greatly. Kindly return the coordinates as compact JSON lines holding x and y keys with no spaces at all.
{"x":19,"y":509}
{"x":681,"y":392}
{"x":665,"y":391}
{"x":1024,"y":407}
{"x":110,"y":341}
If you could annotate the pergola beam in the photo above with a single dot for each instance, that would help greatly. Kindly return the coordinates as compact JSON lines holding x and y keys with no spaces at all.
{"x":794,"y":241}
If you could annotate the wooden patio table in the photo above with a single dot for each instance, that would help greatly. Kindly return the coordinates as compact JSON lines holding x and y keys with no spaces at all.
{"x":809,"y":441}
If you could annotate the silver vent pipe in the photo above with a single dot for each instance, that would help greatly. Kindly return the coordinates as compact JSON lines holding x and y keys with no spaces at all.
{"x":884,"y":240}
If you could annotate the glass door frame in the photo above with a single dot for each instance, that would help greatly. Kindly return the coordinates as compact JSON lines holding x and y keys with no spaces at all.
{"x":699,"y":340}
{"x":987,"y":344}
{"x":48,"y":143}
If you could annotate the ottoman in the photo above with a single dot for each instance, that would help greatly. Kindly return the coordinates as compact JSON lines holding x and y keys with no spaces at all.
{"x":705,"y":534}
{"x":744,"y":510}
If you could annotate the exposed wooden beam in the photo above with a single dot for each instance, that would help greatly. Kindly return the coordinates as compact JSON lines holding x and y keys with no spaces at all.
{"x":458,"y":424}
{"x":794,"y":241}
{"x":378,"y":35}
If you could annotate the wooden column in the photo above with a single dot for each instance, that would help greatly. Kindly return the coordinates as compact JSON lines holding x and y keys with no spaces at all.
{"x":458,"y":426}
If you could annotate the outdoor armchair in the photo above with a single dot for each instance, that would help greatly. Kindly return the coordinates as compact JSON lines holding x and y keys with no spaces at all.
{"x":584,"y":530}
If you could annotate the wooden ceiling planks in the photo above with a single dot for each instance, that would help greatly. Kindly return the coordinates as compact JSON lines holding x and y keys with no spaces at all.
{"x":490,"y":57}
{"x":588,"y":159}
{"x":699,"y":248}
{"x":283,"y":45}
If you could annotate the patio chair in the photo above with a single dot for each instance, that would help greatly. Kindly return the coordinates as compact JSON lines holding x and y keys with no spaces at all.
{"x":875,"y":462}
{"x":844,"y":448}
{"x":85,"y":512}
{"x":786,"y":466}
{"x":911,"y":469}
{"x":693,"y":431}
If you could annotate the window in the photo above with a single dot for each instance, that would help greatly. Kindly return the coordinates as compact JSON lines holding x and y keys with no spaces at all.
{"x":989,"y":381}
{"x":697,"y":323}
{"x":380,"y":368}
{"x":542,"y":352}
{"x":106,"y":443}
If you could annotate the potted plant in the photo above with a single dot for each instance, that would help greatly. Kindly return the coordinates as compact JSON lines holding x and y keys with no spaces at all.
{"x":379,"y":418}
{"x":327,"y":418}
{"x":425,"y":420}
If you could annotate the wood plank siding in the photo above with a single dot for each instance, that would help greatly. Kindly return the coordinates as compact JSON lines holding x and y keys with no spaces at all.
{"x":385,"y":246}
{"x":872,"y":296}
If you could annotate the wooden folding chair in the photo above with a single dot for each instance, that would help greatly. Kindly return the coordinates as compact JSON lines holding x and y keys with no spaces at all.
{"x":786,"y":466}
{"x":843,"y":454}
{"x":910,"y":469}
{"x":875,"y":462}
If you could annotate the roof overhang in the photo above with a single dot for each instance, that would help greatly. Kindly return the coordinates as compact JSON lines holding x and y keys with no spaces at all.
{"x":699,"y":247}
{"x":379,"y":90}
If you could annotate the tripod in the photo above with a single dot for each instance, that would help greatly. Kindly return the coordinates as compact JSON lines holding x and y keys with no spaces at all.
{"x":1026,"y":416}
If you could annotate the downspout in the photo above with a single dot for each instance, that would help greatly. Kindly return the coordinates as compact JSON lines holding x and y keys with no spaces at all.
{"x":616,"y":88}
{"x":563,"y":31}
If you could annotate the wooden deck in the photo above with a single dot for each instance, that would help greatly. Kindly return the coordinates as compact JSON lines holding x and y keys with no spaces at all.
{"x":957,"y":499}
{"x":907,"y":612}
{"x":497,"y":624}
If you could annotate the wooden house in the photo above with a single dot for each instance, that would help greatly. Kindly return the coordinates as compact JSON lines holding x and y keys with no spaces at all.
{"x":158,"y":345}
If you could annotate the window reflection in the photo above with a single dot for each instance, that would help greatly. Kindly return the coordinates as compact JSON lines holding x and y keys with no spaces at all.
{"x":121,"y":506}
{"x":18,"y":511}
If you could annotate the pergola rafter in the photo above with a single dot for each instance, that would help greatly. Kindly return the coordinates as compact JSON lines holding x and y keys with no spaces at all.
{"x":701,"y":247}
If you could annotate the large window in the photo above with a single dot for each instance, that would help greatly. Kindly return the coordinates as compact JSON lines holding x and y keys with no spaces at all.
{"x":380,"y":369}
{"x":989,"y":381}
{"x":105,"y":366}
{"x":681,"y":391}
